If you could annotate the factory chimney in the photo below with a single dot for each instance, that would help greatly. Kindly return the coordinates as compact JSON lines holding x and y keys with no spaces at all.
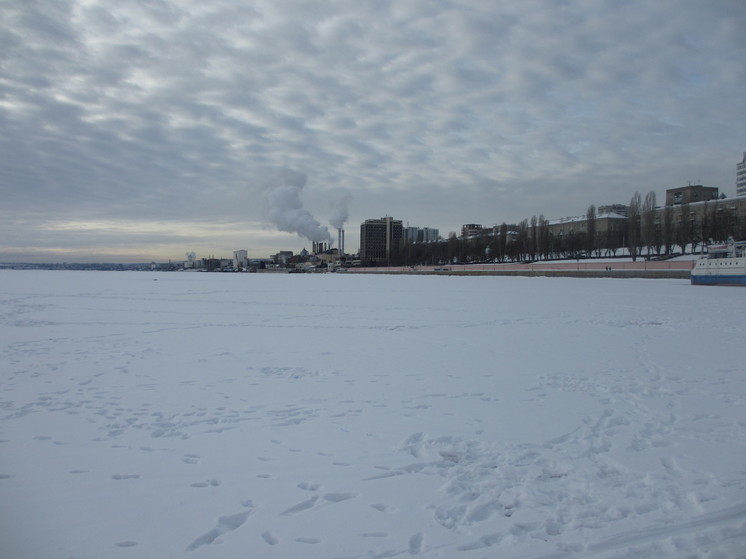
{"x":341,"y":242}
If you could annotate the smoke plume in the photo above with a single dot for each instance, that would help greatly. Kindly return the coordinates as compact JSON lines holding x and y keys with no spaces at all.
{"x":340,"y":215}
{"x":285,"y":211}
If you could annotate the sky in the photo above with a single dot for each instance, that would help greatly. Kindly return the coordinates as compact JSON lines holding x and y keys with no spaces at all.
{"x":138,"y":131}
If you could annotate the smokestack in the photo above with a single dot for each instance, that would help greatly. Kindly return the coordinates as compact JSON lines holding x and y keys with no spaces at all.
{"x":341,"y":241}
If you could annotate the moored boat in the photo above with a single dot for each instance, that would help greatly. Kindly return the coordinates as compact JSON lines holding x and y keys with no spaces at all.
{"x":722,"y":265}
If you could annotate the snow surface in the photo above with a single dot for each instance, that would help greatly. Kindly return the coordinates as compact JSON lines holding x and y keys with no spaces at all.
{"x":205,"y":415}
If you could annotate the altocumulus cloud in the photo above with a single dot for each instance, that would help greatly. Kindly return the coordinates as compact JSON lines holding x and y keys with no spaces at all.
{"x":144,"y":130}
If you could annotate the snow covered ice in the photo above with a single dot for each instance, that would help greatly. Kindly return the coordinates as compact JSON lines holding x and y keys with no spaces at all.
{"x":201,"y":415}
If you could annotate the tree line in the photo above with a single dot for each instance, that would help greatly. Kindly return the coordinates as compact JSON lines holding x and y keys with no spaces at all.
{"x":648,"y":231}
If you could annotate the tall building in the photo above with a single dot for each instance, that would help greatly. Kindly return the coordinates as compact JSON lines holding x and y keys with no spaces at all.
{"x":741,"y":177}
{"x":420,"y":234}
{"x":430,"y":234}
{"x":240,"y":259}
{"x":379,"y":239}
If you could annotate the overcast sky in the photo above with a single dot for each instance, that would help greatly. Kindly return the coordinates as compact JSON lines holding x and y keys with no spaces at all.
{"x":142,"y":130}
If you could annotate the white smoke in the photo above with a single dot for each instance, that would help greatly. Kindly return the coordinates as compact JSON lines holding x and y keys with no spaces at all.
{"x":284,"y":208}
{"x":341,"y":214}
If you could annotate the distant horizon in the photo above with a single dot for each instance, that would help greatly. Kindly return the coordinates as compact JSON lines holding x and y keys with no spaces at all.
{"x":112,"y":259}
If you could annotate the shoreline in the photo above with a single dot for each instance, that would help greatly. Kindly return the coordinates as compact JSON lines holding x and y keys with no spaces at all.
{"x":646,"y":269}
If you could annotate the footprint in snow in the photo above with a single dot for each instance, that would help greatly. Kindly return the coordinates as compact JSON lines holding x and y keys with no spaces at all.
{"x":300,"y":507}
{"x":416,"y":543}
{"x":269,"y":538}
{"x":308,"y":540}
{"x":225,"y":524}
{"x":339,"y":497}
{"x":373,"y":535}
{"x":207,"y":483}
{"x":380,"y":507}
{"x":308,"y":503}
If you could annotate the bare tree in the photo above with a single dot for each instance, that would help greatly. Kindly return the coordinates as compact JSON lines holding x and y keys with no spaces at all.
{"x":590,"y":225}
{"x":502,"y":241}
{"x":684,"y":228}
{"x":668,"y":240}
{"x":633,"y":222}
{"x":707,"y":224}
{"x":533,"y":244}
{"x":522,"y":248}
{"x":650,"y":235}
{"x":454,"y":248}
{"x":543,"y":237}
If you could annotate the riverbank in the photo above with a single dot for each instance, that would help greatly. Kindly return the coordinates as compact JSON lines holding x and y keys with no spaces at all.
{"x":670,"y":269}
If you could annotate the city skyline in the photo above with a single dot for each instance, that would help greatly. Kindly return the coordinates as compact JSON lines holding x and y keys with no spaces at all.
{"x":145,"y":132}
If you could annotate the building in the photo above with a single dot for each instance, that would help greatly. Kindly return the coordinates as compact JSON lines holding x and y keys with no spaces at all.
{"x":212,"y":264}
{"x":471,"y":230}
{"x":240,"y":259}
{"x":690,"y":194}
{"x":319,"y":246}
{"x":327,"y":258}
{"x":717,"y":218}
{"x":420,"y":234}
{"x":741,"y":177}
{"x":710,"y":217}
{"x":610,"y":227}
{"x":619,"y":209}
{"x":191,"y":261}
{"x":283,"y":257}
{"x":380,"y":239}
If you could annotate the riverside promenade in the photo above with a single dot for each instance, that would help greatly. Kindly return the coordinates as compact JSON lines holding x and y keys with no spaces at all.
{"x":679,"y":269}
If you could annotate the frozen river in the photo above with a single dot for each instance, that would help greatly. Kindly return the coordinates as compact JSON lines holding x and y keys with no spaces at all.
{"x":201,"y":415}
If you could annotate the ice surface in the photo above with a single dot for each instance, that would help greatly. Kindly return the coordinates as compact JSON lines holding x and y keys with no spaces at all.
{"x":335,"y":416}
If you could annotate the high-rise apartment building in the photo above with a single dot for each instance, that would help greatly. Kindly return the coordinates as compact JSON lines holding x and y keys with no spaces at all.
{"x":421,"y":234}
{"x":741,"y":177}
{"x":379,"y":239}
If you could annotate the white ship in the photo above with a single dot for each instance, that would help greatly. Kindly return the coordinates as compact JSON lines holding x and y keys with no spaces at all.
{"x":721,"y":265}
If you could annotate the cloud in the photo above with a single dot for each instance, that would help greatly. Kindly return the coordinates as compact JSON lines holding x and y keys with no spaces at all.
{"x":479,"y":112}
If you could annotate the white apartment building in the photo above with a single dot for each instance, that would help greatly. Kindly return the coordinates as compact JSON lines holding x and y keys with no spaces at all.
{"x":240,"y":259}
{"x":741,"y":177}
